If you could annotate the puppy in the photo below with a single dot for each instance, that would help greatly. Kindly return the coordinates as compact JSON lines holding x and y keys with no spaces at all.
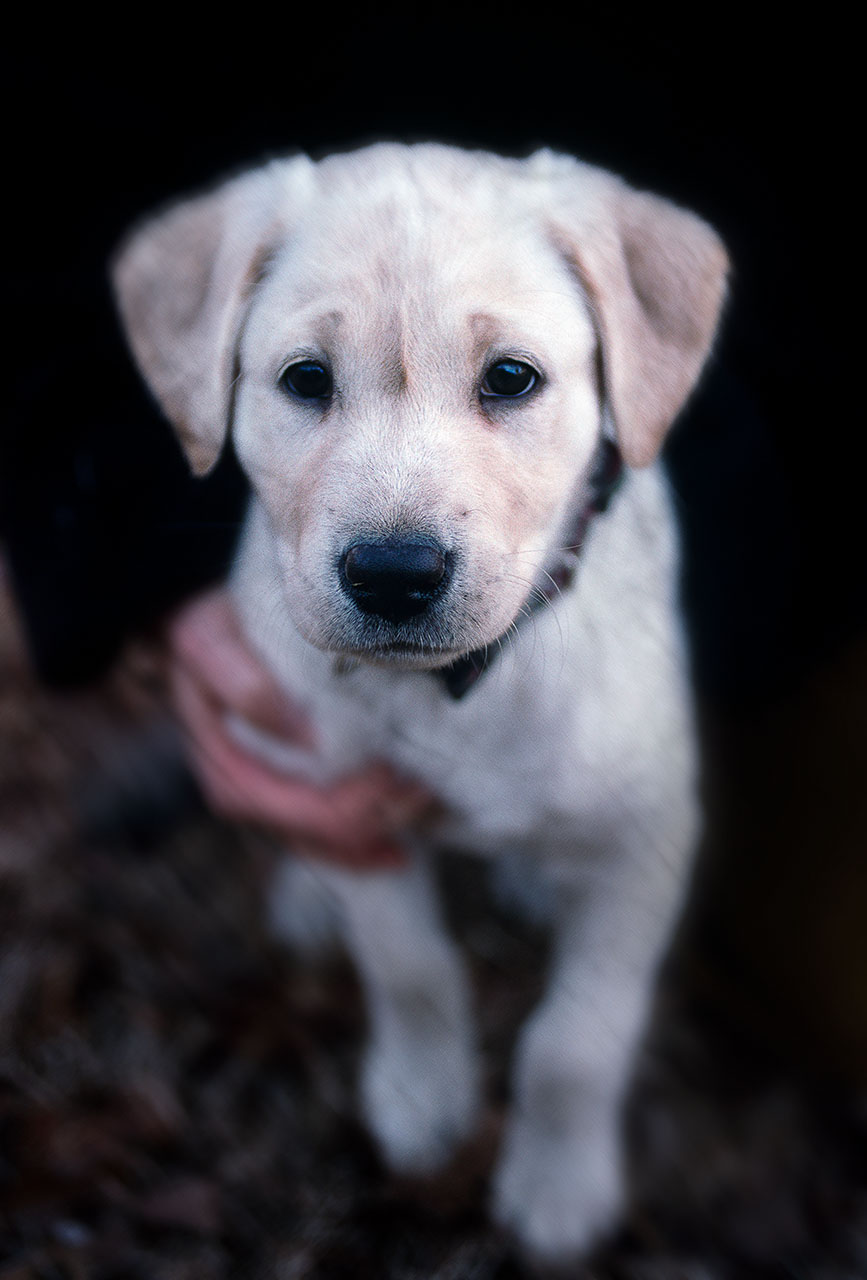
{"x":436,"y":366}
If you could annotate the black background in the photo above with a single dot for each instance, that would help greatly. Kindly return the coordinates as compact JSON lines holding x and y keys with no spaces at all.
{"x":746,"y":126}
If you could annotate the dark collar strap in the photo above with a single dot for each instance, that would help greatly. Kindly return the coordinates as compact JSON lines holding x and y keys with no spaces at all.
{"x":605,"y":478}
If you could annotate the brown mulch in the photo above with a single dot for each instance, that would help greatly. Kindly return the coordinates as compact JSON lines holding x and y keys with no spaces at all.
{"x":176,"y":1092}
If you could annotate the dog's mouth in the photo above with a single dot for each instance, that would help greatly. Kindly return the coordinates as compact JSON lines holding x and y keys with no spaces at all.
{"x":433,"y":641}
{"x":394,"y":629}
{"x":404,"y":654}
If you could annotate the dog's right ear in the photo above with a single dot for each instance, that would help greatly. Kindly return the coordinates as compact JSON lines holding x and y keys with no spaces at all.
{"x":182,"y":281}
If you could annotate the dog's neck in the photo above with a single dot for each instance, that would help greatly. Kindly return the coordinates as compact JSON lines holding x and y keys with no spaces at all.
{"x":461,"y":676}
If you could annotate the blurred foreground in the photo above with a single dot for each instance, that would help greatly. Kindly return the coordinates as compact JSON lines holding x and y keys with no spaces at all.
{"x":176,"y":1096}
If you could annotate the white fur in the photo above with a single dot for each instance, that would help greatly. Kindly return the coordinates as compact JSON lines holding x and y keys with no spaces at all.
{"x":410,"y":270}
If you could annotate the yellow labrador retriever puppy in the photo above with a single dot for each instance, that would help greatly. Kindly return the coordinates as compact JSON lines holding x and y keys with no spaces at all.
{"x":436,"y":366}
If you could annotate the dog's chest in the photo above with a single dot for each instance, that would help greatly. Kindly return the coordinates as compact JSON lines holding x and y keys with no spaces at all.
{"x":503,"y":762}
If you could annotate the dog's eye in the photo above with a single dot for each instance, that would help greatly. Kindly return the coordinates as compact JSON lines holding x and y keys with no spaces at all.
{"x":509,"y":378}
{"x":307,"y":379}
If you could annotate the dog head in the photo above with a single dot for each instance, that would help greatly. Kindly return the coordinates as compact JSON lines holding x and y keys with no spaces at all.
{"x":416,"y":349}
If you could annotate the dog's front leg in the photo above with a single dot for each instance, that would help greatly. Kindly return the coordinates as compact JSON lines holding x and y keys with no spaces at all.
{"x":419,"y":1083}
{"x":560,"y":1179}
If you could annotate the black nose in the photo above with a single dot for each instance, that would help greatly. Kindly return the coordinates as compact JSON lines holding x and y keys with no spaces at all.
{"x":394,"y":578}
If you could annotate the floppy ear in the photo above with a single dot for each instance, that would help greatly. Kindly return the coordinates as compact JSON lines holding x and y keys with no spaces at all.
{"x":182,"y":281}
{"x":655,"y":277}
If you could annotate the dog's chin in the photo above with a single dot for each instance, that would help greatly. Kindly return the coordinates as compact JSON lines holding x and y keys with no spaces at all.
{"x":395,"y":653}
{"x":403,"y":657}
{"x":429,"y":644}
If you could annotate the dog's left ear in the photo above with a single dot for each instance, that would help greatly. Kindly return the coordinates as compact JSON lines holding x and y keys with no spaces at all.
{"x":655,"y":277}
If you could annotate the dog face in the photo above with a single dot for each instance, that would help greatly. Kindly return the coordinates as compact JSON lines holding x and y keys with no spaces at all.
{"x":414,"y":410}
{"x":415,"y":347}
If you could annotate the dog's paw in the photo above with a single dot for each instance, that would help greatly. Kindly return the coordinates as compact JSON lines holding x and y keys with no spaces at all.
{"x":303,"y":908}
{"x":557,"y":1192}
{"x":420,"y":1102}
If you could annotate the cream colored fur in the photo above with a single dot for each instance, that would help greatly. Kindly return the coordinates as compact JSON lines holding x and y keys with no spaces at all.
{"x":410,"y":270}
